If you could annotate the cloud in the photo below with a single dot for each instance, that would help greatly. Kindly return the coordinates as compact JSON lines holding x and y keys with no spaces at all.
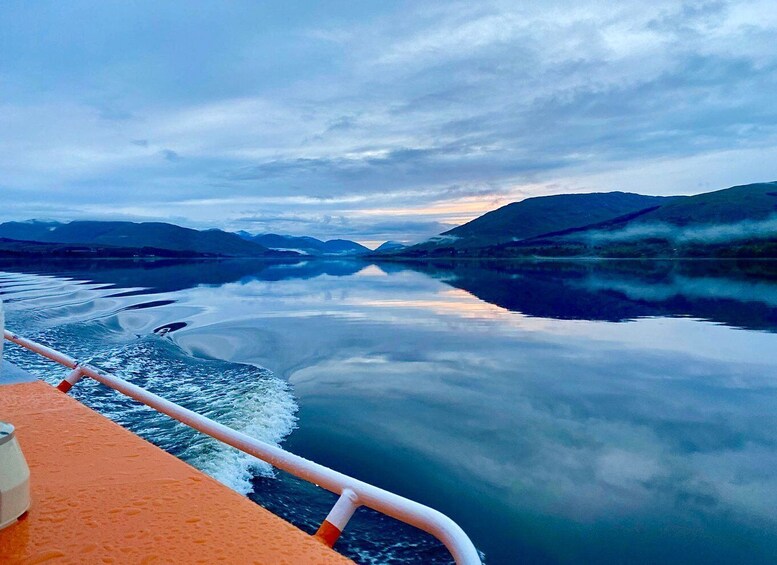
{"x":496,"y":99}
{"x":170,"y":155}
{"x":409,"y":230}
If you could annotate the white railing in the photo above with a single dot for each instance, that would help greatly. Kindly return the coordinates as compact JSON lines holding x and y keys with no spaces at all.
{"x":353,"y":493}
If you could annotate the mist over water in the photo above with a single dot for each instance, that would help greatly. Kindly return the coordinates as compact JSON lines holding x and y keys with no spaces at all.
{"x":712,"y":233}
{"x":561,"y":413}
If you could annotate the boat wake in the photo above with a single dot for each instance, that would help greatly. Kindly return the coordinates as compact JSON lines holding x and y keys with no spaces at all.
{"x":244,"y":397}
{"x":134,"y":333}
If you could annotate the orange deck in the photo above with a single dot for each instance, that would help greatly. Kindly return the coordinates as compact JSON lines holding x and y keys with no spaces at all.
{"x":103,"y":495}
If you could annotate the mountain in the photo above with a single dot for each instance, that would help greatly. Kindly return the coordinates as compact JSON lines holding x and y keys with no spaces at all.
{"x":736,"y":222}
{"x":130,"y":235}
{"x":741,"y":203}
{"x":344,"y":247}
{"x":390,"y":246}
{"x":245,"y":235}
{"x":737,"y":214}
{"x":27,"y":251}
{"x":544,"y":214}
{"x":31,"y":230}
{"x":307,"y":245}
{"x":740,"y":221}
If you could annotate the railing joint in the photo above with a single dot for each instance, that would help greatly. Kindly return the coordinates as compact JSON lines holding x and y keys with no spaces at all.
{"x":334,"y":524}
{"x":71,"y":380}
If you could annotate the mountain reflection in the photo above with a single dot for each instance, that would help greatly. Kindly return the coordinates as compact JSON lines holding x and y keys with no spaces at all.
{"x":173,"y":275}
{"x":739,"y":294}
{"x":735,"y":293}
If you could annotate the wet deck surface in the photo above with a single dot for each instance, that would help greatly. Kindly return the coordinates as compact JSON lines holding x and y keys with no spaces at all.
{"x":103,"y":495}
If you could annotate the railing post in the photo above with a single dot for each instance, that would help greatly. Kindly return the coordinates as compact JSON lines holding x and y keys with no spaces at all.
{"x":2,"y":329}
{"x":338,"y":517}
{"x":75,"y":375}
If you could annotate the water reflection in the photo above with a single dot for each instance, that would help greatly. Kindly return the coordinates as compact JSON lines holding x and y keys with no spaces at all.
{"x":167,"y":275}
{"x":588,"y":412}
{"x":736,"y":293}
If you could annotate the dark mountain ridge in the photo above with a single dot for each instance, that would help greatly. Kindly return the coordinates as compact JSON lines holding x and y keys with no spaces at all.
{"x":131,"y":235}
{"x":740,"y":221}
{"x":390,"y":246}
{"x":544,"y":214}
{"x":727,"y":206}
{"x":305,"y":244}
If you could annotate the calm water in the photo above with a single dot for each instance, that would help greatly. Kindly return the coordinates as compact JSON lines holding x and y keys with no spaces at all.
{"x":561,"y":413}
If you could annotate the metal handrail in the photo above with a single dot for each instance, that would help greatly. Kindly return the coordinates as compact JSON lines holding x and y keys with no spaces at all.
{"x":353,"y":492}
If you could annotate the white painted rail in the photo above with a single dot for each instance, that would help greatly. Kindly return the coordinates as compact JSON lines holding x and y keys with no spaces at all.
{"x":353,"y":492}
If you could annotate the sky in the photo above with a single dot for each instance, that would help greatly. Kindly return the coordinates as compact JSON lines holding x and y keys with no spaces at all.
{"x":374,"y":121}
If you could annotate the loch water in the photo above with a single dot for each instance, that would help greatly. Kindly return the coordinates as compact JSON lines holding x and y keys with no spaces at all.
{"x":560,"y":412}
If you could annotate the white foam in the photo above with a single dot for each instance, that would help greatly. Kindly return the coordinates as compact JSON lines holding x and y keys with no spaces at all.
{"x":269,"y":415}
{"x":244,"y":397}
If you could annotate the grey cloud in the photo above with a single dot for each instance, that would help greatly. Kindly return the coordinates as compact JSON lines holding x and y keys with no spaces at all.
{"x":270,"y":219}
{"x":170,"y":155}
{"x":397,"y":168}
{"x":688,"y":16}
{"x":114,"y":114}
{"x":322,"y":225}
{"x":344,"y":123}
{"x":489,"y":99}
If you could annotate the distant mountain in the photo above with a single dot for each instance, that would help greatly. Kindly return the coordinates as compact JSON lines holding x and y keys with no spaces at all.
{"x":244,"y":234}
{"x":736,"y":222}
{"x":31,"y":230}
{"x":344,"y":247}
{"x":390,"y":246}
{"x":130,"y":235}
{"x":308,"y":245}
{"x":27,"y":251}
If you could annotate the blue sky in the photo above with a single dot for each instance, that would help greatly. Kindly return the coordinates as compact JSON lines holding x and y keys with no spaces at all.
{"x":374,"y":120}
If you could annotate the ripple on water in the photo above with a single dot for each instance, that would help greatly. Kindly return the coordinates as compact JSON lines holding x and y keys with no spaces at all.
{"x":244,"y":397}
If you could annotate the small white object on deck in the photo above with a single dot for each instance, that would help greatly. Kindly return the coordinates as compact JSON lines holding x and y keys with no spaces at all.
{"x":14,"y":478}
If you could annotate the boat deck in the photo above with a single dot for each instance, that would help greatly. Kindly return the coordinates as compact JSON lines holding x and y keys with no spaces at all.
{"x":101,"y":494}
